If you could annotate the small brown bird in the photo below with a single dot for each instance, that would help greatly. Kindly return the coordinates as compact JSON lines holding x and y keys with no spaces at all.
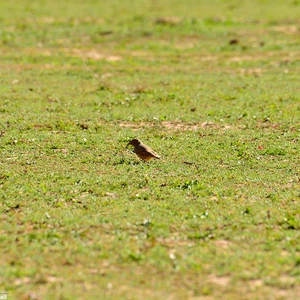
{"x":143,"y":151}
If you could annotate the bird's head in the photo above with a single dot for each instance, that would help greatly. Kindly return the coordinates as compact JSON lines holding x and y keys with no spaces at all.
{"x":134,"y":142}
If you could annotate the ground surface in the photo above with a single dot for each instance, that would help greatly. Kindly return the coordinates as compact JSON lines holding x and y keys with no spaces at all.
{"x":212,"y":87}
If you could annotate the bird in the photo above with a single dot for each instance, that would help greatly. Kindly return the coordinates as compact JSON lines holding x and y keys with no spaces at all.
{"x":143,"y":151}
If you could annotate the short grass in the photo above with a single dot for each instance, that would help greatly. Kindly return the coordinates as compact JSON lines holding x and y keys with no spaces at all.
{"x":212,"y":86}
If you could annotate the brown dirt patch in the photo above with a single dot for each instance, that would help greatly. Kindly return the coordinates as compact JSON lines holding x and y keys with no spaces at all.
{"x":168,"y":20}
{"x":290,"y":29}
{"x":256,"y":282}
{"x":266,"y":56}
{"x":221,"y":281}
{"x":174,"y":126}
{"x":91,"y":54}
{"x":222,"y":244}
{"x":251,"y":71}
{"x":56,"y":20}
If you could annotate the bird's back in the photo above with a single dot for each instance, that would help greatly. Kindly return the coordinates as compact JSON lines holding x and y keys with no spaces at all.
{"x":145,"y":152}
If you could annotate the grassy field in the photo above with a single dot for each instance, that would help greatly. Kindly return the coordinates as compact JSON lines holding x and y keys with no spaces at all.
{"x":212,"y":86}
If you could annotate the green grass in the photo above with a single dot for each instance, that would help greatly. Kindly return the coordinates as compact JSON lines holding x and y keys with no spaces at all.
{"x":213,"y":87}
